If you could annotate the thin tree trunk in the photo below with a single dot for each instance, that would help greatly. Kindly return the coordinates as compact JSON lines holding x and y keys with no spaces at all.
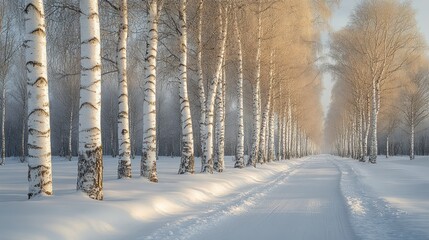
{"x":124,"y":144}
{"x":149,"y":150}
{"x":207,"y":134}
{"x":412,"y":136}
{"x":90,"y":163}
{"x":39,"y":139}
{"x":239,"y":155}
{"x":220,"y":127}
{"x":187,"y":156}
{"x":201,"y":91}
{"x":374,"y":119}
{"x":70,"y":149}
{"x":23,"y":131}
{"x":387,"y":146}
{"x":254,"y":154}
{"x":3,"y":116}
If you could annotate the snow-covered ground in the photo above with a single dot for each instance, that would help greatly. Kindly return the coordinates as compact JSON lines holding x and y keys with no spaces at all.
{"x":320,"y":197}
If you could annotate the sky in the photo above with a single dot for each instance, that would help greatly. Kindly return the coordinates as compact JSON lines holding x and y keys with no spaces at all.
{"x":340,"y":19}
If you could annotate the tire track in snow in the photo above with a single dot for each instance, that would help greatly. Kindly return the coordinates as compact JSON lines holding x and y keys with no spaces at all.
{"x":371,"y":216}
{"x":187,"y":226}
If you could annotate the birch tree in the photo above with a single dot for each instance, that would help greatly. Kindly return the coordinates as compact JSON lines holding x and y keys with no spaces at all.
{"x":187,"y":156}
{"x":254,"y":154}
{"x":239,"y":154}
{"x":388,"y":38}
{"x":124,"y":142}
{"x":207,"y":134}
{"x":39,"y":145}
{"x":415,"y":100}
{"x":90,"y":159}
{"x":149,"y":151}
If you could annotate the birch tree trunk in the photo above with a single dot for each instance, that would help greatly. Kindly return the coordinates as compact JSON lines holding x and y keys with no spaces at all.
{"x":239,"y":154}
{"x":265,"y":118}
{"x":39,"y":140}
{"x":284,"y":137}
{"x":23,"y":131}
{"x":201,"y":91}
{"x":412,"y":137}
{"x":149,"y":150}
{"x":254,"y":153}
{"x":124,"y":145}
{"x":3,"y":116}
{"x":220,"y":127}
{"x":90,"y":163}
{"x":289,"y":130}
{"x":271,"y":148}
{"x":387,"y":146}
{"x":207,"y":134}
{"x":367,"y":123}
{"x":374,"y":120}
{"x":70,"y":149}
{"x":187,"y":157}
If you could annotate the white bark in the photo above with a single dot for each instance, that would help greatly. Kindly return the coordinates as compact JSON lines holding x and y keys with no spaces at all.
{"x":148,"y":160}
{"x":219,"y":161}
{"x":201,"y":91}
{"x":124,"y":145}
{"x":70,"y":150}
{"x":207,"y":134}
{"x":289,"y":130}
{"x":39,"y":141}
{"x":271,"y":148}
{"x":3,"y":116}
{"x":254,"y":154}
{"x":187,"y":157}
{"x":412,"y":140}
{"x":90,"y":165}
{"x":239,"y":154}
{"x":374,"y":121}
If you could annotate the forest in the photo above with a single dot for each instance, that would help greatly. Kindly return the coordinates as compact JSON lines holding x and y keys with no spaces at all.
{"x":204,"y":80}
{"x":149,"y":78}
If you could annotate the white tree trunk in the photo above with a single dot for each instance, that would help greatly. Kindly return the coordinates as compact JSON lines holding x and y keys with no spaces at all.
{"x":284,"y":137}
{"x":201,"y":91}
{"x":207,"y":134}
{"x":149,"y":150}
{"x":289,"y":130}
{"x":412,"y":140}
{"x":367,"y":122}
{"x":90,"y":165}
{"x":23,"y":131}
{"x":219,"y":161}
{"x":187,"y":156}
{"x":271,"y":148}
{"x":124,"y":145}
{"x":374,"y":119}
{"x":254,"y":153}
{"x":3,"y":116}
{"x":387,"y":146}
{"x":265,"y":119}
{"x":70,"y":149}
{"x":39,"y":140}
{"x":239,"y":154}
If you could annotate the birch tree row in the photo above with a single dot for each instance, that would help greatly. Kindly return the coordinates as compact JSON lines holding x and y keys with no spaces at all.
{"x":380,"y":69}
{"x":222,"y":57}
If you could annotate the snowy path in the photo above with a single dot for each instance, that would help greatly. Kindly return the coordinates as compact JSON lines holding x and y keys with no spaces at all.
{"x":304,"y":203}
{"x":318,"y":197}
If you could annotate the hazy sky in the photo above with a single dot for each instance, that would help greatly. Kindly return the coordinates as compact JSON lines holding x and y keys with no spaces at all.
{"x":340,"y":19}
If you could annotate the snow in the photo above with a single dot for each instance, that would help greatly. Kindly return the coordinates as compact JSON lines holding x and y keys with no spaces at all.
{"x":320,"y":197}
